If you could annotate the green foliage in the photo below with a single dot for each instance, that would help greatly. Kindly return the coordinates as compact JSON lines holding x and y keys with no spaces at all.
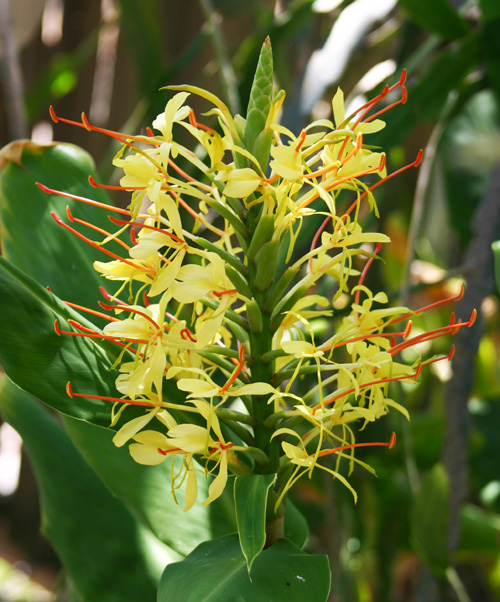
{"x":453,"y":61}
{"x":221,"y":574}
{"x":430,"y":520}
{"x":437,"y":16}
{"x":97,"y":537}
{"x":250,"y":501}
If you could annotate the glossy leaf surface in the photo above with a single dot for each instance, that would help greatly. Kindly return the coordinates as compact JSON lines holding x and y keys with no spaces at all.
{"x":221,"y":574}
{"x":250,"y":499}
{"x":97,"y":537}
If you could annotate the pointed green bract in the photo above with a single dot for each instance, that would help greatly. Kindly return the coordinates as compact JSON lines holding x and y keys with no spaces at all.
{"x":250,"y":499}
{"x":260,"y":98}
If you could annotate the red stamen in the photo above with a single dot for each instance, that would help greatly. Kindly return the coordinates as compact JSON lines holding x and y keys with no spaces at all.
{"x":401,"y":101}
{"x":95,"y":228}
{"x":302,"y":137}
{"x":97,"y":246}
{"x":231,"y":291}
{"x":120,"y":222}
{"x":165,"y":452}
{"x":457,"y":297}
{"x":94,"y":184}
{"x":221,"y":447}
{"x":186,"y":334}
{"x":328,"y":452}
{"x":87,"y":333}
{"x":194,"y":123}
{"x":236,"y":372}
{"x":373,"y":383}
{"x":109,"y":296}
{"x":434,"y":334}
{"x":82,"y":199}
{"x":99,"y":314}
{"x":72,"y":394}
{"x":132,"y":310}
{"x":365,"y":271}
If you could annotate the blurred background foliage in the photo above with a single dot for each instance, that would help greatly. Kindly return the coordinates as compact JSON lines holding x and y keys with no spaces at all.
{"x":427,"y":529}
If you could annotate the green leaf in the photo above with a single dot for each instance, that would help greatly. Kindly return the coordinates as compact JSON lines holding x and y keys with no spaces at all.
{"x":108,"y":553}
{"x":39,"y":361}
{"x":429,"y":96}
{"x":250,"y":500}
{"x":430,"y":519}
{"x":147,"y":490}
{"x":296,"y":528}
{"x":479,"y":533}
{"x":281,"y":573}
{"x":496,"y":253}
{"x":436,"y":16}
{"x":142,"y":26}
{"x":31,"y":239}
{"x":490,"y":15}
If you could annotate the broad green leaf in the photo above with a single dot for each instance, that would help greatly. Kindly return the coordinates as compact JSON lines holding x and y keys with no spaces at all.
{"x":41,"y":362}
{"x":31,"y":239}
{"x":436,"y":16}
{"x":109,"y":554}
{"x":250,"y":500}
{"x":216,"y":570}
{"x":430,"y":519}
{"x":148,"y":490}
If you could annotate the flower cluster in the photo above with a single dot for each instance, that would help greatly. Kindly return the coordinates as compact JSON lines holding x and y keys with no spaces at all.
{"x":217,"y":304}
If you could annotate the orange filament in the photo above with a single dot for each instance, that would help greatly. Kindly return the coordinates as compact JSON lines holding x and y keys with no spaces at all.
{"x":86,"y":333}
{"x":373,"y":383}
{"x":196,"y":124}
{"x":94,"y":184}
{"x":457,"y":297}
{"x":302,"y":137}
{"x":99,"y":314}
{"x":221,"y":447}
{"x":401,"y":101}
{"x":122,"y":222}
{"x":82,"y":199}
{"x":365,"y":271}
{"x":95,"y":228}
{"x":328,"y":452}
{"x":132,"y":310}
{"x":97,"y":246}
{"x":415,"y":163}
{"x":230,"y":291}
{"x":165,"y":452}
{"x":72,"y":394}
{"x":236,"y":372}
{"x":371,"y":335}
{"x":85,"y":124}
{"x":186,"y":334}
{"x":452,"y":329}
{"x":312,"y":198}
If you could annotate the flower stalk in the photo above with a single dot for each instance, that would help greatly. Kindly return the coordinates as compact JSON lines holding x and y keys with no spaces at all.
{"x":217,"y":305}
